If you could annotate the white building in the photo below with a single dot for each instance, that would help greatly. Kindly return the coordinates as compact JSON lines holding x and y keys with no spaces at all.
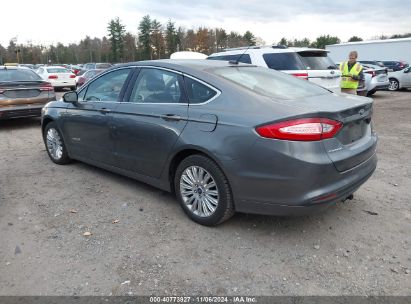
{"x":389,"y":49}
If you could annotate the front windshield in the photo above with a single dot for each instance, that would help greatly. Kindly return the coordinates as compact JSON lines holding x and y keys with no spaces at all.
{"x":269,"y":83}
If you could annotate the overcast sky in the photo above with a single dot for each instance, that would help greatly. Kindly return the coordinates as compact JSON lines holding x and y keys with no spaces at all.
{"x":51,"y":21}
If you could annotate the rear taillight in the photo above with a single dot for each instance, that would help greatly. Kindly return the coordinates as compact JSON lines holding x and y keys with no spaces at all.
{"x":372,"y":73}
{"x":72,"y":76}
{"x":53,"y":77}
{"x":305,"y":129}
{"x":46,"y":87}
{"x":301,"y":75}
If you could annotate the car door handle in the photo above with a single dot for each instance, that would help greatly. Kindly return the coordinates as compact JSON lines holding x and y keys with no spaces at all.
{"x":105,"y":110}
{"x":171,"y":117}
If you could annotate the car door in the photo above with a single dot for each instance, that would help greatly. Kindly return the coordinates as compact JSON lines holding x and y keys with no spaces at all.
{"x":86,"y":124}
{"x":149,"y":124}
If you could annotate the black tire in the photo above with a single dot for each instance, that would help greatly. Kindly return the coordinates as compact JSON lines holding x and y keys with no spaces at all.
{"x":225,"y":207}
{"x":370,"y":93}
{"x":60,"y":159}
{"x":394,"y":85}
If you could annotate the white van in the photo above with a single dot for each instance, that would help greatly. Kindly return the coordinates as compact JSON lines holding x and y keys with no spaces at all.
{"x":311,"y":64}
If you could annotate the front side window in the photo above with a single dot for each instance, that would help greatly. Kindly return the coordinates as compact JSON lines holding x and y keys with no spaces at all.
{"x":157,"y":86}
{"x":107,"y":87}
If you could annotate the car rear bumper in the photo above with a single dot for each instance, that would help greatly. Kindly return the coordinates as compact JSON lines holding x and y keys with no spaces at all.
{"x":20,"y":111}
{"x":326,"y":200}
{"x":306,"y":183}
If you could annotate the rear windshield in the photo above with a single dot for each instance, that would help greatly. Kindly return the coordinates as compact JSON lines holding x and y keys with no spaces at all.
{"x":58,"y":70}
{"x":244,"y":58}
{"x":269,"y":83}
{"x":18,"y":75}
{"x":103,"y":65}
{"x":317,"y":61}
{"x":283,"y":61}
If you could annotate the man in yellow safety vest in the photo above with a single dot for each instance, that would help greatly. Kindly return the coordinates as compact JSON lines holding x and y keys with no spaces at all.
{"x":352,"y":74}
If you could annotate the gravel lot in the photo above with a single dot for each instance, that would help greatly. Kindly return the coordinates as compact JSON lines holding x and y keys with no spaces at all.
{"x":361,"y":247}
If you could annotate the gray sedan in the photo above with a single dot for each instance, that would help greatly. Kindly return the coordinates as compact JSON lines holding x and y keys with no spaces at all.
{"x":222,"y":136}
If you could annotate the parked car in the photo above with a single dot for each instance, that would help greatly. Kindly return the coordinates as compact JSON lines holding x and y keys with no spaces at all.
{"x":223,"y":137}
{"x":80,"y":80}
{"x":99,"y":65}
{"x":379,"y":78}
{"x":372,"y":62}
{"x":310,"y":64}
{"x":394,"y":66}
{"x":75,"y":69}
{"x":400,"y":79}
{"x":59,"y":77}
{"x":22,"y":93}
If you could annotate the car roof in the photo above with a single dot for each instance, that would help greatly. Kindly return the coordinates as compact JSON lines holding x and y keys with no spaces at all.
{"x":182,"y":64}
{"x":267,"y":49}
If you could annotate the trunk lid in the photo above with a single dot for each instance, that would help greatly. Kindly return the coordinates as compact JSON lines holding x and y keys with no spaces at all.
{"x":355,"y":142}
{"x":24,"y":92}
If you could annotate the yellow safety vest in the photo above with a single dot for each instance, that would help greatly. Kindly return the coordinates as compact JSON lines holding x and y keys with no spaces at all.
{"x":346,"y":81}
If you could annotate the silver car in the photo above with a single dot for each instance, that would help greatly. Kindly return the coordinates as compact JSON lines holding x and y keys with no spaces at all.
{"x":400,"y":79}
{"x":224,"y":137}
{"x":379,"y":78}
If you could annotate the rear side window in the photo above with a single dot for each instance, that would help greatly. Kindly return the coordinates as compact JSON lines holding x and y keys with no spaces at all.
{"x":157,"y":86}
{"x":18,"y":75}
{"x":317,"y":61}
{"x":283,"y":61}
{"x":198,"y":92}
{"x":245,"y":58}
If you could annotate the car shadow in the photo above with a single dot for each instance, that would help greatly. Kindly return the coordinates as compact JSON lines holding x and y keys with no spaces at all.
{"x":20,"y":123}
{"x":240,"y":221}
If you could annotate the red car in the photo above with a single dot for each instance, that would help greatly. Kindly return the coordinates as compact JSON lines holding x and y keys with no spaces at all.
{"x":87,"y":76}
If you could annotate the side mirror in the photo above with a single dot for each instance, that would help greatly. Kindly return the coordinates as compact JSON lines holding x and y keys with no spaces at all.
{"x":70,"y":97}
{"x":407,"y":70}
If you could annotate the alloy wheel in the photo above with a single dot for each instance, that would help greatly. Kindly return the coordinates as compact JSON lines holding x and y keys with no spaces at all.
{"x":54,"y":144}
{"x":199,"y":191}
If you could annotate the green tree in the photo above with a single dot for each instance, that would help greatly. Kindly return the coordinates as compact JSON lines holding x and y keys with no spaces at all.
{"x":221,"y":39}
{"x":157,"y":40}
{"x":355,"y":38}
{"x":116,"y":33}
{"x":144,"y":38}
{"x":324,"y":40}
{"x":283,"y":41}
{"x":301,"y":43}
{"x":249,"y":38}
{"x":130,"y":48}
{"x":171,"y":38}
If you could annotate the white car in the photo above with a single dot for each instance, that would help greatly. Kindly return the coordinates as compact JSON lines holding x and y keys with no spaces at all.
{"x":59,"y":77}
{"x":310,"y":64}
{"x":379,"y":79}
{"x":400,"y":79}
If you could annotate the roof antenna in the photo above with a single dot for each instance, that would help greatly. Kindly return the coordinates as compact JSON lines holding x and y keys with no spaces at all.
{"x":239,"y":57}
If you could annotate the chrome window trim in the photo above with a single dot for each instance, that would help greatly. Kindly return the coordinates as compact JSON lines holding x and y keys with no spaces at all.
{"x":218,"y":92}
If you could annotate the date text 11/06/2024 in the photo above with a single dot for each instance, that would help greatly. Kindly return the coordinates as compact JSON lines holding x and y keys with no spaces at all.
{"x":234,"y":299}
